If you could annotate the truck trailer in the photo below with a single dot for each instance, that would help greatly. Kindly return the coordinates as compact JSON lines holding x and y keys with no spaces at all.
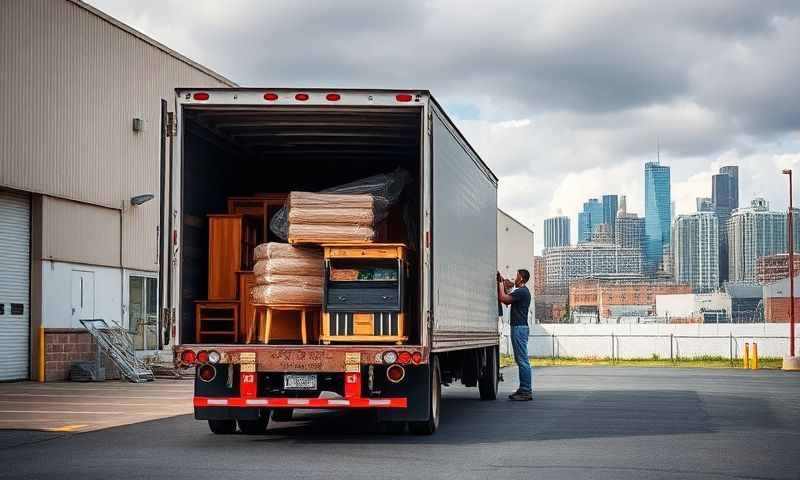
{"x":237,"y":142}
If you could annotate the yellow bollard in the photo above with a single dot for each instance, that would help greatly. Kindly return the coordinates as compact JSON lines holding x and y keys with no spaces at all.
{"x":746,"y":356}
{"x":754,"y":362}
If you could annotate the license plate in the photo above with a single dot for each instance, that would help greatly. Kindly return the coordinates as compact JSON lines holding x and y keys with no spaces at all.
{"x":300,"y":382}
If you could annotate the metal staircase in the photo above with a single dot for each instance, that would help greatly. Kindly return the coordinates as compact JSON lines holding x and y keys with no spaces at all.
{"x":118,"y":345}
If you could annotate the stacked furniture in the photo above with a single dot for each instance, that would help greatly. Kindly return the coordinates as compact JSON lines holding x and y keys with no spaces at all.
{"x":232,"y":239}
{"x":364,"y":293}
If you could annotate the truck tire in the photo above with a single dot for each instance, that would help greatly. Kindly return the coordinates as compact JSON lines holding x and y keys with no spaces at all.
{"x":254,"y":427}
{"x":222,"y":427}
{"x":429,"y":426}
{"x":488,"y":383}
{"x":282,"y":414}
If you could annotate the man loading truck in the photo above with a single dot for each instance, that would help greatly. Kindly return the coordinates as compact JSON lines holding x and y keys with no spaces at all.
{"x":520,"y":302}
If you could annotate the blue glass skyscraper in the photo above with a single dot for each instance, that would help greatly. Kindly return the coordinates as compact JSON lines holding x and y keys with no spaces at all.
{"x":657,"y":206}
{"x":590,"y":217}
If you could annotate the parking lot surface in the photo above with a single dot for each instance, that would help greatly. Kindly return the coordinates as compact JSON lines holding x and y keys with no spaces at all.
{"x":81,"y":407}
{"x":585,"y":422}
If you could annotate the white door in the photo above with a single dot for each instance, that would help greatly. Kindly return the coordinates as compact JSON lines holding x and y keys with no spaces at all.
{"x":15,"y":261}
{"x":82,"y":297}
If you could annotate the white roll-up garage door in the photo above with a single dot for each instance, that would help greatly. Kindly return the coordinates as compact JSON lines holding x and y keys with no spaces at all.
{"x":15,"y":240}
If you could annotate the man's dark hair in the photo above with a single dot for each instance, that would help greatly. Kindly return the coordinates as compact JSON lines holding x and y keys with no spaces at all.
{"x":526,"y":275}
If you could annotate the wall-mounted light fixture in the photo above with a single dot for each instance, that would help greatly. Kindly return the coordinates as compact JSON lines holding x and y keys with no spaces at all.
{"x":138,"y":124}
{"x":140,"y":199}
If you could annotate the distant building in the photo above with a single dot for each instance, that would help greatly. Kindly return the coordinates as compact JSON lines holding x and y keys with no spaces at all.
{"x":629,"y":228}
{"x":714,"y":307}
{"x":589,"y":218}
{"x":657,"y":206}
{"x":603,"y":233}
{"x":725,"y":198}
{"x":772,"y":268}
{"x":746,"y":302}
{"x":550,"y":307}
{"x":695,"y":246}
{"x":704,"y":204}
{"x":755,"y":232}
{"x":733,"y":172}
{"x":591,"y":260}
{"x":556,"y":232}
{"x":610,"y":208}
{"x":776,"y":301}
{"x":611,"y":299}
{"x":539,"y":276}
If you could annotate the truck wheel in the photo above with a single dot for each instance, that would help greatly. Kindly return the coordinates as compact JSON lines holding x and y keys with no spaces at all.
{"x":488,"y":383}
{"x":254,"y":427}
{"x":282,"y":415}
{"x":222,"y":427}
{"x":430,"y":425}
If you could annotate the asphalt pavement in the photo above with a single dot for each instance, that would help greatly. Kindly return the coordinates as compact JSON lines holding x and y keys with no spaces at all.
{"x":585,"y":422}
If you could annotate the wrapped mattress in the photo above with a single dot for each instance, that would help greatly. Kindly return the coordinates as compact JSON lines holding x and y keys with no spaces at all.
{"x":285,"y":274}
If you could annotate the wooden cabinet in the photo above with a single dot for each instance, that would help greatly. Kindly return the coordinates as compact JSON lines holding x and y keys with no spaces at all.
{"x":260,"y":209}
{"x":246,"y":311}
{"x":217,"y":322}
{"x":231,"y":243}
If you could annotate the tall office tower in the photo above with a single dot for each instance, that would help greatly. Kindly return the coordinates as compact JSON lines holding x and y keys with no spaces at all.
{"x":610,"y":207}
{"x":722,"y":198}
{"x":704,"y":204}
{"x":657,"y":211}
{"x":629,"y":231}
{"x":623,"y":204}
{"x":733,"y":172}
{"x":589,"y":218}
{"x":755,"y":232}
{"x":556,"y":232}
{"x":695,"y":254}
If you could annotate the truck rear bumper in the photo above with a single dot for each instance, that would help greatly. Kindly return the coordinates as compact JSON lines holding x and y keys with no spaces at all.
{"x":281,"y":402}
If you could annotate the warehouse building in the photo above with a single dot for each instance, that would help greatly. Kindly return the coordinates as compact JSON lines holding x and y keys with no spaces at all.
{"x":84,"y":170}
{"x":610,"y":299}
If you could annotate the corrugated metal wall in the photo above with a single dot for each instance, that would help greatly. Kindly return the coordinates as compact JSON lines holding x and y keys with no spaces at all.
{"x":72,"y":225}
{"x":72,"y":83}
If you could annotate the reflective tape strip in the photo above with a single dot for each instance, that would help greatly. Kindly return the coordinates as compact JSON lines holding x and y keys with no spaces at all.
{"x":278,"y":402}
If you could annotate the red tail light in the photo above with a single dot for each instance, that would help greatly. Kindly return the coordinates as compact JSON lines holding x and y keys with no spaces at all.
{"x":201,"y":96}
{"x":416,"y":357}
{"x":188,"y":357}
{"x":202,"y":356}
{"x":404,"y":357}
{"x":207,"y":373}
{"x":333,"y":97}
{"x":301,"y":96}
{"x":395,"y":373}
{"x":270,"y":97}
{"x":403,"y":97}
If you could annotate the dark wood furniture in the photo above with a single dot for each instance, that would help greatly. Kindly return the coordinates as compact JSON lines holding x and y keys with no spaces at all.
{"x":216,"y":321}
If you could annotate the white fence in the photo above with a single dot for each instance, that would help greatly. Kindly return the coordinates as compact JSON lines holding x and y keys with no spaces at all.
{"x":666,"y":341}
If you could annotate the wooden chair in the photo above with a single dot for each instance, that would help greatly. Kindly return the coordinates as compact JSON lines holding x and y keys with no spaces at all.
{"x":262,"y":320}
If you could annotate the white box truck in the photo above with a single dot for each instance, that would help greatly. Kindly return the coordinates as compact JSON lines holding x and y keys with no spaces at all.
{"x":247,"y":141}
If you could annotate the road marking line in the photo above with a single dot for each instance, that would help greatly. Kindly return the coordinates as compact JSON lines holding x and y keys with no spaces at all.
{"x":66,"y":411}
{"x":68,"y":428}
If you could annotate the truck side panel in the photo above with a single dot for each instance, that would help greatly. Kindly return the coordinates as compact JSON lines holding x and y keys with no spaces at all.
{"x":464,"y":242}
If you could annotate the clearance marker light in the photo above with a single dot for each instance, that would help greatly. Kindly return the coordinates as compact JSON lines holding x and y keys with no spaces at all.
{"x":301,"y":96}
{"x":333,"y":97}
{"x":270,"y":97}
{"x":201,"y":96}
{"x":403,"y":97}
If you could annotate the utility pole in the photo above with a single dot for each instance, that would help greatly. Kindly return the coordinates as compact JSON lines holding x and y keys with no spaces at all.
{"x":791,"y":362}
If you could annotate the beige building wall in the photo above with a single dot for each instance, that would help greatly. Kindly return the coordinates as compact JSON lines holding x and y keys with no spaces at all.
{"x":72,"y":82}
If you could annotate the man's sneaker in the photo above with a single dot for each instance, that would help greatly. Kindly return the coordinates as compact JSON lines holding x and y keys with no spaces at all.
{"x":521,"y":396}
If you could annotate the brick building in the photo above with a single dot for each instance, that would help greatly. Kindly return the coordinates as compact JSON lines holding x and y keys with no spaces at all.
{"x":776,"y":300}
{"x":538,"y":275}
{"x":771,"y":268}
{"x":610,"y":298}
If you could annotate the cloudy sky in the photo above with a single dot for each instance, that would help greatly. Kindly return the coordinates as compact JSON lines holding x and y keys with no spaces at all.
{"x":564,"y":100}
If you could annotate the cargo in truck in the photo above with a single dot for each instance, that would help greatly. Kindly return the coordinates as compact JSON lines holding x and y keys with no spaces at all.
{"x":404,"y":310}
